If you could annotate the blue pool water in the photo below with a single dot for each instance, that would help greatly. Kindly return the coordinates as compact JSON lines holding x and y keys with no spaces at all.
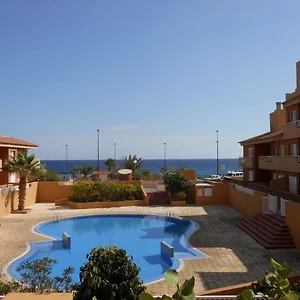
{"x":139,"y":235}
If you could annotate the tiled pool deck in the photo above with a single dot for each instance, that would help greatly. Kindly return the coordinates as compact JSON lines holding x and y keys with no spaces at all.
{"x":233,"y":256}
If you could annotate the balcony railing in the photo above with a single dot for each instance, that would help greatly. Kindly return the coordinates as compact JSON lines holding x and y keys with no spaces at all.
{"x":246,"y":162}
{"x":291,"y":130}
{"x":287,"y":163}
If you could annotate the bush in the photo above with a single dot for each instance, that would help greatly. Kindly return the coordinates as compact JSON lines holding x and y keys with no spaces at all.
{"x":109,"y":274}
{"x":9,"y":287}
{"x":82,"y":191}
{"x":178,"y":196}
{"x":275,"y":285}
{"x":175,"y":182}
{"x":88,"y":191}
{"x":36,"y":277}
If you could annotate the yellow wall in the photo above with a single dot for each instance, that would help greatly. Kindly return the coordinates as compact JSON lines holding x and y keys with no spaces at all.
{"x":245,"y":204}
{"x":12,"y":198}
{"x":292,"y":220}
{"x":49,"y":191}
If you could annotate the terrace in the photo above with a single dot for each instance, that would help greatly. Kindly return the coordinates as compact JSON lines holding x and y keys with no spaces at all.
{"x":233,"y":257}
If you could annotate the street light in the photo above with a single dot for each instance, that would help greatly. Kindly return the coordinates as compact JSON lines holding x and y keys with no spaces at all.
{"x":165,"y":156}
{"x":115,"y":153}
{"x":217,"y":152}
{"x":67,"y":177}
{"x":135,"y":161}
{"x":98,"y":161}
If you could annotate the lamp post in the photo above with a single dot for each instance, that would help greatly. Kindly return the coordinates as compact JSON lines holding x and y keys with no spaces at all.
{"x":217,"y":152}
{"x":135,"y":161}
{"x":67,"y":177}
{"x":98,"y":152}
{"x":165,"y":156}
{"x":115,"y":153}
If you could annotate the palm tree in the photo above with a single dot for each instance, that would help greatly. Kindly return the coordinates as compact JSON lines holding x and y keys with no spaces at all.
{"x":25,"y":166}
{"x":131,"y":162}
{"x":86,"y":170}
{"x":110,"y":164}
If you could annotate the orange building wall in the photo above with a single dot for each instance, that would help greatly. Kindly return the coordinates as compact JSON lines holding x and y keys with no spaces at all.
{"x":247,"y":205}
{"x":292,"y":220}
{"x":49,"y":191}
{"x":12,"y":197}
{"x":219,"y":194}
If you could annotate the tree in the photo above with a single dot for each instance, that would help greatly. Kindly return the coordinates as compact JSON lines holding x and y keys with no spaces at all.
{"x":86,"y":170}
{"x":25,"y":166}
{"x":109,"y":274}
{"x":131,"y":162}
{"x":110,"y":164}
{"x":75,"y":172}
{"x":49,"y":176}
{"x":176,"y":184}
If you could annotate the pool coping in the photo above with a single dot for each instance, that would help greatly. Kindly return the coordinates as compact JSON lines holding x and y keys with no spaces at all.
{"x":185,"y":237}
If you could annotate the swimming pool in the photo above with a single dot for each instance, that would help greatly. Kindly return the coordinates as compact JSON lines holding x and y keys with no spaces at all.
{"x":139,"y":235}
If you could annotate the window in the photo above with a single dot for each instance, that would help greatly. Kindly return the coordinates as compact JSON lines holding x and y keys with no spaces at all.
{"x":274,"y":176}
{"x":12,"y":153}
{"x":12,"y":178}
{"x":250,"y":152}
{"x":292,"y":116}
{"x":251,"y":175}
{"x":281,"y":150}
{"x":293,"y":149}
{"x":293,"y":184}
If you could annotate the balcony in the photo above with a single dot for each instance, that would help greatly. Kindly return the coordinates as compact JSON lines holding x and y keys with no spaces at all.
{"x":288,"y":163}
{"x":246,"y":162}
{"x":291,"y":130}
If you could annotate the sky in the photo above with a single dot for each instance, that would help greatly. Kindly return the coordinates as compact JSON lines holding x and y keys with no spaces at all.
{"x":144,"y":73}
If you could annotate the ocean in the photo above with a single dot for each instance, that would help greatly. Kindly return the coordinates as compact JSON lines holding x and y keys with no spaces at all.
{"x":203,"y":167}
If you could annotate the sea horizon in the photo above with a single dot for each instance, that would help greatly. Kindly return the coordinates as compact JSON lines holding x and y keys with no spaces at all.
{"x":202,"y":167}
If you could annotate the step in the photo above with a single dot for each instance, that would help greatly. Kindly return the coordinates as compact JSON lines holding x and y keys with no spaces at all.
{"x":274,"y":219}
{"x":266,"y":237}
{"x":266,"y":228}
{"x":269,"y":244}
{"x":266,"y":223}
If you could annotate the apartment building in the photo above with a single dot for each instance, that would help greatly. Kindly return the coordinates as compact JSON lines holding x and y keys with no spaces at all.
{"x":273,"y":158}
{"x":9,"y":147}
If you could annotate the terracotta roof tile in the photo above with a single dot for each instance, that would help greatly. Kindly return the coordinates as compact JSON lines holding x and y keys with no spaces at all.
{"x":7,"y":140}
{"x":263,"y":136}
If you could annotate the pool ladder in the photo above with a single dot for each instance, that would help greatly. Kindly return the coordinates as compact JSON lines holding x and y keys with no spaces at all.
{"x":170,"y":214}
{"x":57,"y":216}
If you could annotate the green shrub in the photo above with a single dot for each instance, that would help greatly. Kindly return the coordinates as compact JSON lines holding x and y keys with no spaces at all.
{"x":36,"y":277}
{"x":89,"y":191}
{"x":82,"y":191}
{"x":109,"y":274}
{"x":275,"y":285}
{"x":9,"y":287}
{"x":175,"y":183}
{"x":178,"y":196}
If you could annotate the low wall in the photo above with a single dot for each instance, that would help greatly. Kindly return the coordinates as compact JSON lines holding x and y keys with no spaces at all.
{"x":49,"y":191}
{"x":85,"y":205}
{"x":292,"y":220}
{"x":9,"y":201}
{"x":237,"y":289}
{"x":245,"y":203}
{"x":219,"y":194}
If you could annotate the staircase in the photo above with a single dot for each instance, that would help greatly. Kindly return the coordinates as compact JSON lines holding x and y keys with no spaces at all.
{"x":158,"y":198}
{"x":268,"y":230}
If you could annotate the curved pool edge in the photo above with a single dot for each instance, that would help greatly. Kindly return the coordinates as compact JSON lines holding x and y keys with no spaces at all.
{"x":178,"y":266}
